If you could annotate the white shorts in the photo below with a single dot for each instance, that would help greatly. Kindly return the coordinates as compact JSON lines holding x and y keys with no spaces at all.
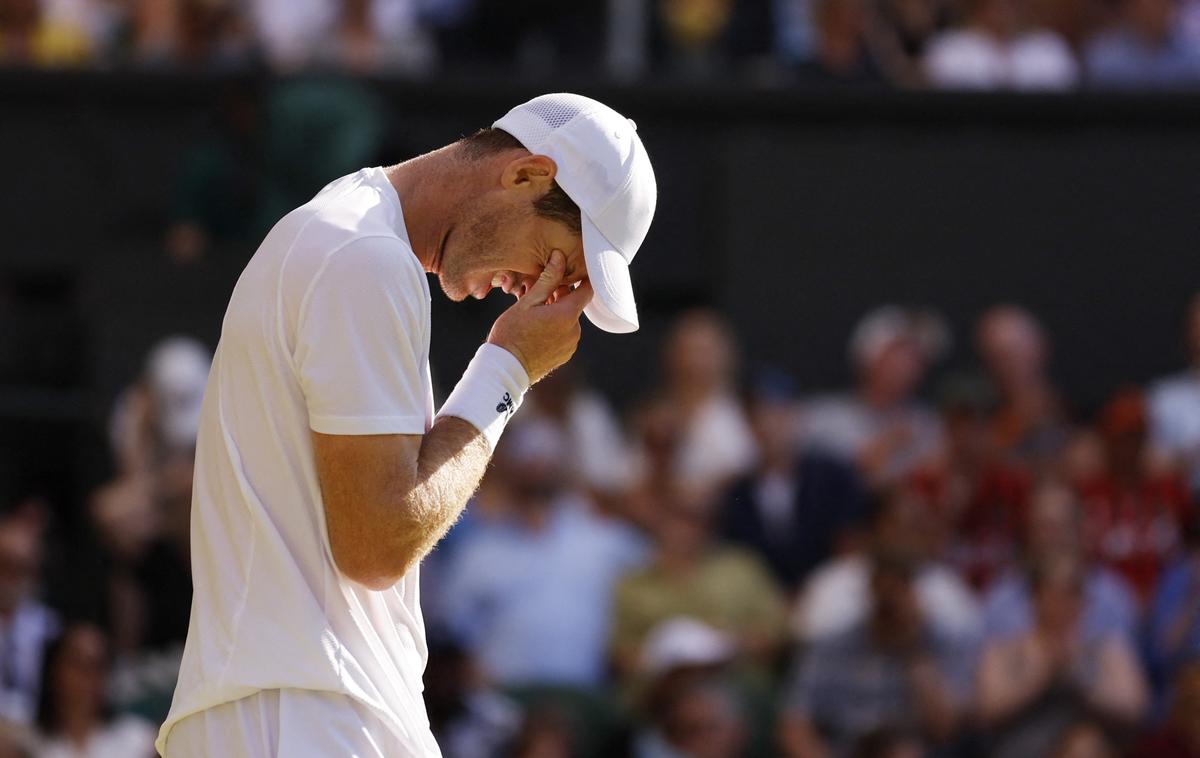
{"x":286,"y":724}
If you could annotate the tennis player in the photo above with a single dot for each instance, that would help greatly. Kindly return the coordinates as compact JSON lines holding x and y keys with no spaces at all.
{"x":323,"y":475}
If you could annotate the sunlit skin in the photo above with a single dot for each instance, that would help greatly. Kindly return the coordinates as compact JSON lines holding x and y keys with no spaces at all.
{"x":475,"y":227}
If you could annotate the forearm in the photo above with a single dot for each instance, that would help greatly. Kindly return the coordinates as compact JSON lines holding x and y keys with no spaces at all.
{"x":389,"y":498}
{"x":451,"y":462}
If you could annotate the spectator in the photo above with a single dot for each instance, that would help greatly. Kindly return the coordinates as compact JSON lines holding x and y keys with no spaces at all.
{"x":1173,"y":618}
{"x":597,"y":453}
{"x":1027,"y":424}
{"x":1147,"y":49}
{"x":1174,"y":407}
{"x":903,"y":32}
{"x":1055,"y":527}
{"x":996,"y":49}
{"x":529,"y":594}
{"x":791,"y":510}
{"x":983,"y":495}
{"x":1179,"y":737}
{"x":1033,"y":687}
{"x":26,"y":625}
{"x":355,"y":34}
{"x":468,"y":718}
{"x":160,"y":413}
{"x":882,"y":428}
{"x":216,"y":195}
{"x":29,"y":36}
{"x":1133,"y":511}
{"x":531,"y":37}
{"x":700,"y":719}
{"x":841,"y":55}
{"x":372,"y":36}
{"x":892,"y":670}
{"x":705,"y":38}
{"x":703,"y":425}
{"x":724,"y":587}
{"x":837,"y":596}
{"x":73,"y":713}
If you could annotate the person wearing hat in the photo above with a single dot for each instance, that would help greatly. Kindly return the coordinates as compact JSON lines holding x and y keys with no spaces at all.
{"x":323,"y":474}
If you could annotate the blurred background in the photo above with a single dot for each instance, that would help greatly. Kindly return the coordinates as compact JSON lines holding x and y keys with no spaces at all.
{"x":904,"y":461}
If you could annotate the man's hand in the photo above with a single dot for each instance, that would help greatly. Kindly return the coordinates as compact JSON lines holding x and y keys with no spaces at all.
{"x":542,"y":328}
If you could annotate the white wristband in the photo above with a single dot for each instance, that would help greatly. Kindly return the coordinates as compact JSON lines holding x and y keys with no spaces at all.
{"x":489,"y":393}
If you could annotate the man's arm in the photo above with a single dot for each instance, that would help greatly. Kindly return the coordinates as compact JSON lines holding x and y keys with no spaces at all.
{"x":390,"y":497}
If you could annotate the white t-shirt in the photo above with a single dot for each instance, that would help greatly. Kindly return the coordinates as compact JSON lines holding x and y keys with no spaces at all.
{"x":971,"y":59}
{"x":328,"y":330}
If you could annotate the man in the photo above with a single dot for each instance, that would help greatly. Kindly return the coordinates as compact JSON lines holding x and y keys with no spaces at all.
{"x":882,"y":427}
{"x":892,"y":670}
{"x":1027,"y":424}
{"x":530,"y":591}
{"x":1032,"y":687}
{"x":322,"y":476}
{"x":793,"y":510}
{"x":1174,"y":408}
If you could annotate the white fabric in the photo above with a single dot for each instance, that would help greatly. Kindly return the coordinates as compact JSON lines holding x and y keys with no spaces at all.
{"x":23,"y":639}
{"x":127,"y":737}
{"x":838,"y":595}
{"x":597,"y":453}
{"x":842,"y":426}
{"x":291,"y":30}
{"x":717,"y":444}
{"x":489,"y":393}
{"x":288,"y":724}
{"x":971,"y":59}
{"x":1174,"y":410}
{"x":604,"y":168}
{"x":327,"y":330}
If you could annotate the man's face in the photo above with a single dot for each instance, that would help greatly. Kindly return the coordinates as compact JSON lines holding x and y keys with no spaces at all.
{"x":499,"y":240}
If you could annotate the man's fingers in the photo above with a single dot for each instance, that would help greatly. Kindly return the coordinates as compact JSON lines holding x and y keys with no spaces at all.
{"x":548,"y":281}
{"x":564,"y":289}
{"x":577,"y":299}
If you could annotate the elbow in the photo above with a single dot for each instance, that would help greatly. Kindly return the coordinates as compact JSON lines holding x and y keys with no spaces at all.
{"x":376,"y":570}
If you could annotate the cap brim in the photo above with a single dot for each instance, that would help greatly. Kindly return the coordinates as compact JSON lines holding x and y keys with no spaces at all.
{"x":612,"y":307}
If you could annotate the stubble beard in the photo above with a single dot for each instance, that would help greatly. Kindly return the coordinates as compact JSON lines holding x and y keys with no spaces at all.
{"x":473,"y":252}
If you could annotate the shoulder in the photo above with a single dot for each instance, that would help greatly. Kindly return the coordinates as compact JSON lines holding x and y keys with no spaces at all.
{"x":370,"y":269}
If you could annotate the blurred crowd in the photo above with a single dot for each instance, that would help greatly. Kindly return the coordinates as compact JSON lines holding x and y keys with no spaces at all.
{"x":959,"y":44}
{"x":732,"y":568}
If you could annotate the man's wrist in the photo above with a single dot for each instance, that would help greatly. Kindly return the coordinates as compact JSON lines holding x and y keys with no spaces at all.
{"x":489,"y":393}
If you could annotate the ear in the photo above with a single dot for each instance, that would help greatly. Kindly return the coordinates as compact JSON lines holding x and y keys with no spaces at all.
{"x":529,"y":173}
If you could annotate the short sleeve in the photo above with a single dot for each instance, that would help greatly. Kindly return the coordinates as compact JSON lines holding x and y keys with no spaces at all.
{"x":360,"y":347}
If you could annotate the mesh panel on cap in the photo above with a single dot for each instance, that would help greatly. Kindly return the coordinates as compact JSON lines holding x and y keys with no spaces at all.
{"x":554,"y":111}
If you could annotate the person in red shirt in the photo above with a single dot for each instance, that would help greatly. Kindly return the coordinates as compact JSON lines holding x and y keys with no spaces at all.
{"x":1134,"y":508}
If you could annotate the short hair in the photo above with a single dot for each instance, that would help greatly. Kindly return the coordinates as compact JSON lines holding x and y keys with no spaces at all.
{"x":555,"y":205}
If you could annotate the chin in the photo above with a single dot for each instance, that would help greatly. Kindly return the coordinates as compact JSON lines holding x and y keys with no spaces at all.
{"x":453,"y":290}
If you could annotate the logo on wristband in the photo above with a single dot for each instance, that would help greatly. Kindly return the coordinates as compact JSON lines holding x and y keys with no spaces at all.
{"x":505,"y":405}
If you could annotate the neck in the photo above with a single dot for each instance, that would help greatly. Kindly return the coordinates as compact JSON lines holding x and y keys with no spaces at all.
{"x":429,"y":187}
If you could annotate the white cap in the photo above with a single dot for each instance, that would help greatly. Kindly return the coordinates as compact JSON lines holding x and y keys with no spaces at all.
{"x":177,"y":371}
{"x":684,"y":641}
{"x":604,"y":168}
